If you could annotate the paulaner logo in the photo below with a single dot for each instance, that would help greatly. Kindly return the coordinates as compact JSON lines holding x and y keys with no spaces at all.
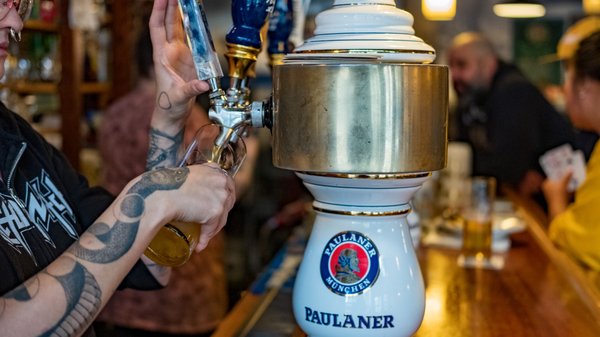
{"x":349,"y":263}
{"x":348,"y":321}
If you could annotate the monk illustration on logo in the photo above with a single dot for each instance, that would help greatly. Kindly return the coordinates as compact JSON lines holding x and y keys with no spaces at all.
{"x":347,"y":266}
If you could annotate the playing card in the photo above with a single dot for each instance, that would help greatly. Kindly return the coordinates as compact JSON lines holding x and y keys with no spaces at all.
{"x":558,"y":161}
{"x":578,"y":169}
{"x":555,"y":162}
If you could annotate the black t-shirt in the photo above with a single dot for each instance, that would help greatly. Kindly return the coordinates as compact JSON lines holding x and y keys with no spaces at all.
{"x":45,"y":205}
{"x":510,"y":127}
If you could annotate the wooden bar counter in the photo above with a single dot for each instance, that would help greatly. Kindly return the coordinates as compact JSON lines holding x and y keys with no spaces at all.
{"x":539,"y":292}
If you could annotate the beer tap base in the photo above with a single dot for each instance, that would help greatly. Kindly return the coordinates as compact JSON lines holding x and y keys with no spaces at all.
{"x":360,"y":275}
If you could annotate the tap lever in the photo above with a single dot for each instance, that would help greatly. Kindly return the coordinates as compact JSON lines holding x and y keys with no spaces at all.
{"x":200,"y":41}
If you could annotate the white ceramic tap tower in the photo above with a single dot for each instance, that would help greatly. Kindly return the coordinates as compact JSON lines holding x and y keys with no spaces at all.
{"x":361,"y":115}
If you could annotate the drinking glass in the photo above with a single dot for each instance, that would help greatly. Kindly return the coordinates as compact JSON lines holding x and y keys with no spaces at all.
{"x":175,"y":242}
{"x":477,"y":217}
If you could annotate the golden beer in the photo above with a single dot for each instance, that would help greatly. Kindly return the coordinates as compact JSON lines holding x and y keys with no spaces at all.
{"x":174,"y":243}
{"x":477,"y":239}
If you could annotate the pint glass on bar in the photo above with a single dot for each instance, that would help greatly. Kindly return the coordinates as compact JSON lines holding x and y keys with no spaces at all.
{"x":477,"y":227}
{"x":477,"y":238}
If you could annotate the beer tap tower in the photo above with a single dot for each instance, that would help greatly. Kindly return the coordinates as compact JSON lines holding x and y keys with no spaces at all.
{"x":360,"y":114}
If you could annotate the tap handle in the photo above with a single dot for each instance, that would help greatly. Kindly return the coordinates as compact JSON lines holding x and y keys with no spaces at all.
{"x":281,"y":24}
{"x":248,"y":18}
{"x":243,"y":40}
{"x":200,"y":41}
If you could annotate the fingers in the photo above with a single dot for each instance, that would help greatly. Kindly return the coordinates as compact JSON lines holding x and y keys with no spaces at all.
{"x":228,"y":200}
{"x":174,"y":68}
{"x":202,"y":243}
{"x":211,"y":227}
{"x":157,"y":22}
{"x":165,"y":22}
{"x":190,"y":90}
{"x":209,"y":231}
{"x":173,"y":24}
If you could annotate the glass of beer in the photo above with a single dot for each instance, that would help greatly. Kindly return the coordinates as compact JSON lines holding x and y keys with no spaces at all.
{"x":477,"y":223}
{"x":175,"y":242}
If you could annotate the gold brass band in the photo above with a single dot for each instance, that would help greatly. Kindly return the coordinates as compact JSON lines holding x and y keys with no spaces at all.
{"x":276,"y":59}
{"x":241,"y":60}
{"x":360,"y":119}
{"x":371,"y":176}
{"x":362,"y":213}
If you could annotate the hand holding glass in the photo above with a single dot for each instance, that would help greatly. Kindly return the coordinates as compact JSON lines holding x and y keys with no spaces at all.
{"x":174,"y":243}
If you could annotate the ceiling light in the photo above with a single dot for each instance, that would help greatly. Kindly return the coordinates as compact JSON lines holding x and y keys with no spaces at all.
{"x":519,"y":9}
{"x":438,"y":10}
{"x":591,"y":7}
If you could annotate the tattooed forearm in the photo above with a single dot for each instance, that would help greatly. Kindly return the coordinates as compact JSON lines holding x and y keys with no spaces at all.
{"x":162,"y":179}
{"x":83,"y":295}
{"x":160,"y":273}
{"x":118,"y":238}
{"x":117,"y":241}
{"x":21,"y":293}
{"x":163,"y":149}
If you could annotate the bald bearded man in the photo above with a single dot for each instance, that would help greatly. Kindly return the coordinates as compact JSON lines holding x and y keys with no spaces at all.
{"x":504,"y":117}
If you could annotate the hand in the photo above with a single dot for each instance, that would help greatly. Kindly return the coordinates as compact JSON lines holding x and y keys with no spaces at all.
{"x":176,"y":79}
{"x":206,"y":198}
{"x":556,"y":193}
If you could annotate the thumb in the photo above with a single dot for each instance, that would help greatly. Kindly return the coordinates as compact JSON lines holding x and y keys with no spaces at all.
{"x":190,"y":90}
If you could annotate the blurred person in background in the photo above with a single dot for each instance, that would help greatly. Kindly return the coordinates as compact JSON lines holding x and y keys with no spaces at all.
{"x":196,"y":298}
{"x":575,"y":227}
{"x":66,"y":247}
{"x":502,"y":115}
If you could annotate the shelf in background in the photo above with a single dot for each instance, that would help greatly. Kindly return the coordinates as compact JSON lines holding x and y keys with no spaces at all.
{"x":32,"y":87}
{"x":41,"y":26}
{"x":95,"y":88}
{"x":51,"y":88}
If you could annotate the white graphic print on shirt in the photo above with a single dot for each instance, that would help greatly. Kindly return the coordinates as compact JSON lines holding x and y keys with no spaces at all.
{"x":44,"y":207}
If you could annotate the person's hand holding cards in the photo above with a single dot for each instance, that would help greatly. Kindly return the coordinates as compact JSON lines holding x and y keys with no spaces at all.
{"x":561,"y":161}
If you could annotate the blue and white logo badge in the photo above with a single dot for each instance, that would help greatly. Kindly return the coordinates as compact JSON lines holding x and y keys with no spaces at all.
{"x":349,"y":263}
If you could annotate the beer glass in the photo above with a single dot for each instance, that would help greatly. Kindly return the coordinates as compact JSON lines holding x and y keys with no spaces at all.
{"x":174,"y":243}
{"x":477,"y":223}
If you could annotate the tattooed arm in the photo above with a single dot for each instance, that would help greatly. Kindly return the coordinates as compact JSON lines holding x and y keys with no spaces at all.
{"x":176,"y":81}
{"x":64,"y":298}
{"x":177,"y":86}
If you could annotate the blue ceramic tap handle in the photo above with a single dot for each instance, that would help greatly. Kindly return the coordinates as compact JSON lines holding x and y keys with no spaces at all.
{"x":248,"y":18}
{"x":281,"y":24}
{"x":205,"y":57}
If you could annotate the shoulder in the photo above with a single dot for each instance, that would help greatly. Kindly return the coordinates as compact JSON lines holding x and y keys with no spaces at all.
{"x":510,"y":81}
{"x":513,"y":93}
{"x":14,"y":128}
